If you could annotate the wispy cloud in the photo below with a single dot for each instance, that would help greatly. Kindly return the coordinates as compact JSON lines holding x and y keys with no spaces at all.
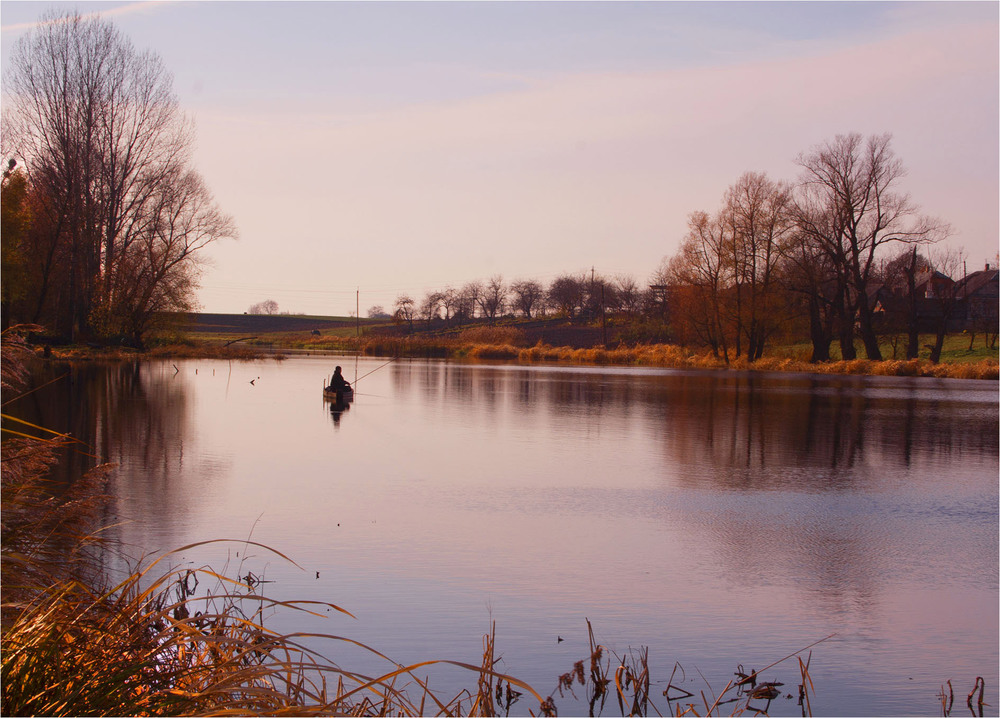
{"x":131,"y":8}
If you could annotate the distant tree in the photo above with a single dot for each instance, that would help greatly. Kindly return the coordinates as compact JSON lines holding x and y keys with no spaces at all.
{"x":629,"y":295}
{"x":449,"y":303}
{"x":655,"y":299}
{"x":268,"y":306}
{"x":528,"y":295}
{"x":492,"y":299}
{"x":599,"y":294}
{"x":377,"y":312}
{"x":430,"y":307}
{"x":566,"y":295}
{"x":404,"y":310}
{"x":467,"y":300}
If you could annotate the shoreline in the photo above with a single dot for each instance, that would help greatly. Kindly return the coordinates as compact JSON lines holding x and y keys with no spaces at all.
{"x":661,"y":356}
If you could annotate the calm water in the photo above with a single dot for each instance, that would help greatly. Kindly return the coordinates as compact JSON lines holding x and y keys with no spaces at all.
{"x":719,"y":519}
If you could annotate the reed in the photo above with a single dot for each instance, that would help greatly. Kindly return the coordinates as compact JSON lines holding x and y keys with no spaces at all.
{"x":627,"y":679}
{"x":494,"y":335}
{"x":151,"y":645}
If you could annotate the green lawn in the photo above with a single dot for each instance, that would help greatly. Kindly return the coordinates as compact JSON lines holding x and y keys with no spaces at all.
{"x":955,"y":351}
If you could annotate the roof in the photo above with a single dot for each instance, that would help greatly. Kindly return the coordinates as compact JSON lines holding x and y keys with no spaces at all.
{"x":980,"y":283}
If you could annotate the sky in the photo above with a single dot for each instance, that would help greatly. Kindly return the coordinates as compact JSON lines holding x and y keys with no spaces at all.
{"x":368,"y":150}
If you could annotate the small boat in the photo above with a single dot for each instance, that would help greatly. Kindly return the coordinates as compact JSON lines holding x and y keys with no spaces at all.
{"x":344,"y":396}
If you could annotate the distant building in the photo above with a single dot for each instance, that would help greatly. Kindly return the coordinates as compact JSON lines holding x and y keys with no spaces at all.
{"x":972,"y":303}
{"x":979,"y":294}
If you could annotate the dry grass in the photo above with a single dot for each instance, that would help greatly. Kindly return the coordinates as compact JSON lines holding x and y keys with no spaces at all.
{"x":166,"y":351}
{"x":151,"y":646}
{"x":491,"y":335}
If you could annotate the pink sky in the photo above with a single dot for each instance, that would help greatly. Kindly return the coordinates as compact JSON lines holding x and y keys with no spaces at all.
{"x":401,"y":149}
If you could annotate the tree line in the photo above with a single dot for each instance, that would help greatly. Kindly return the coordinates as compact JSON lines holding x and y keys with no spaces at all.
{"x":573,"y":296}
{"x":104,"y":218}
{"x":830,"y":258}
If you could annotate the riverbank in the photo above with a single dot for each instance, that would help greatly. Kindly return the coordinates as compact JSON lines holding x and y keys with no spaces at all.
{"x":481,"y":346}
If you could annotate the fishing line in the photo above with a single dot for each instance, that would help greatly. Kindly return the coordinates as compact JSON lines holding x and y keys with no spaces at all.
{"x":31,"y":391}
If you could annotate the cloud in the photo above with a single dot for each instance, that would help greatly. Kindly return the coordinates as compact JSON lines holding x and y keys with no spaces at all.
{"x":598,"y":168}
{"x":132,"y":8}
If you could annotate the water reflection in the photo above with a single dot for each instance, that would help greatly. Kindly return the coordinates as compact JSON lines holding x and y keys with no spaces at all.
{"x":135,"y":416}
{"x":830,"y":487}
{"x":705,"y":514}
{"x":828,"y":431}
{"x":337,"y":410}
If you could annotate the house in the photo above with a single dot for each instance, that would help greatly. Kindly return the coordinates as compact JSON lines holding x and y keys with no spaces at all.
{"x":971,"y":303}
{"x":979,"y":294}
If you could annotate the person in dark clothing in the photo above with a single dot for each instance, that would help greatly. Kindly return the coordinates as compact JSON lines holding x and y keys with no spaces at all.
{"x":338,"y":383}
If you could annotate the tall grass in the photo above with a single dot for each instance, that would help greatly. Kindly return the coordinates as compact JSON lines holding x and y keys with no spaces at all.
{"x":151,"y":645}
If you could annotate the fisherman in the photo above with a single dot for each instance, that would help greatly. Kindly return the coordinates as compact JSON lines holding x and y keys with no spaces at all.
{"x":338,"y":383}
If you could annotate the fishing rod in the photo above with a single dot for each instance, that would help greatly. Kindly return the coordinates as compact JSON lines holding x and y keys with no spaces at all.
{"x":376,"y":369}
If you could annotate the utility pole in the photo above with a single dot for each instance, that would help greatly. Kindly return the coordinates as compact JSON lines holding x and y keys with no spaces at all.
{"x":357,"y":310}
{"x":604,"y":323}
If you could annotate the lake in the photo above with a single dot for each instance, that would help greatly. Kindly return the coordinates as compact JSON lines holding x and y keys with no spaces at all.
{"x":721,"y":519}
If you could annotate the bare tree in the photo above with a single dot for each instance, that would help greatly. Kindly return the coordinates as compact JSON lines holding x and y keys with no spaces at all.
{"x":449,"y":303}
{"x":268,"y":306}
{"x":629,"y":294}
{"x":404,"y":310}
{"x":699,"y":268}
{"x":899,"y":278}
{"x":528,"y":295}
{"x":599,"y":294}
{"x":107,"y":151}
{"x":467,"y":300}
{"x":430,"y":308}
{"x":760,"y":224}
{"x":156,"y":271}
{"x":942,"y":292}
{"x":848,"y":206}
{"x":566,"y":295}
{"x":493,"y":299}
